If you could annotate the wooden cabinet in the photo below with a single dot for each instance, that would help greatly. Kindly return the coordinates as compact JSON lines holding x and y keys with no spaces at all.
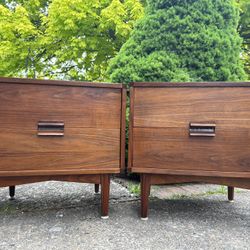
{"x":182,"y":132}
{"x":55,"y":130}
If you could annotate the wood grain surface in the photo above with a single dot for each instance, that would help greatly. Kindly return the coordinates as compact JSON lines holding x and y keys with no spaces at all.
{"x":161,"y":143}
{"x":177,"y":107}
{"x":25,"y":105}
{"x":92,"y":120}
{"x":60,"y":83}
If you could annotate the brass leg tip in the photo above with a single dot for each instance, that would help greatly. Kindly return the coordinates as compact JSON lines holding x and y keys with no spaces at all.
{"x":105,"y":217}
{"x":144,"y":219}
{"x":231,"y":201}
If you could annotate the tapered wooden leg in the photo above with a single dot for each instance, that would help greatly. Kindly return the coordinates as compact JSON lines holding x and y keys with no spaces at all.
{"x":12,"y":192}
{"x":105,"y":186}
{"x":96,"y":188}
{"x":231,"y":194}
{"x":145,"y":191}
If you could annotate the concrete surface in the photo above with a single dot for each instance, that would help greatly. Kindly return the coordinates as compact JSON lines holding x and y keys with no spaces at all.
{"x":175,"y":191}
{"x":54,"y":215}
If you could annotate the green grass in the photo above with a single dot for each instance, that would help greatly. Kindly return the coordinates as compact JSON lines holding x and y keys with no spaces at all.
{"x":134,"y":189}
{"x":220,"y":190}
{"x":180,"y":196}
{"x":7,"y":209}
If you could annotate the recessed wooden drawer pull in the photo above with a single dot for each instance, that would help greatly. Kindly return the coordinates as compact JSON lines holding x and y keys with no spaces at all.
{"x":202,"y":129}
{"x":46,"y":128}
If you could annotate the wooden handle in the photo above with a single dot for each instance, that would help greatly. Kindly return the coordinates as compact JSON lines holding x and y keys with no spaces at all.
{"x":47,"y":128}
{"x":202,"y":129}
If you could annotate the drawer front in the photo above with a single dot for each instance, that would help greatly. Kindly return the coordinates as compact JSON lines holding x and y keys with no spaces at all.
{"x":91,"y":135}
{"x":162,"y":137}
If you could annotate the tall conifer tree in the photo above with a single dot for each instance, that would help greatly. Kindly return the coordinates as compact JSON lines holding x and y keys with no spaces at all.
{"x":182,"y":40}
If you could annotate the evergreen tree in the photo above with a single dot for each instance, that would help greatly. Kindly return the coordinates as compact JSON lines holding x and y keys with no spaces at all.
{"x":182,"y":40}
{"x":244,"y":29}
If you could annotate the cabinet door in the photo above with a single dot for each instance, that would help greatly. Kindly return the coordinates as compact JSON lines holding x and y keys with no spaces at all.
{"x":163,"y":141}
{"x":59,"y":129}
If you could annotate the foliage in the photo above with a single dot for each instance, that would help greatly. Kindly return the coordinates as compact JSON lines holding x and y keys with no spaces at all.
{"x":16,"y":38}
{"x":134,"y":189}
{"x":182,"y":40}
{"x":244,"y":29}
{"x":72,"y":39}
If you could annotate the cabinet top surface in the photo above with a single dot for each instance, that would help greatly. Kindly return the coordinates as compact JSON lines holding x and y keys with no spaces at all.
{"x":189,"y":84}
{"x":59,"y":83}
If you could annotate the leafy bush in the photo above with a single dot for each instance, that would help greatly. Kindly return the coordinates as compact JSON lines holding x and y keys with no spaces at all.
{"x":182,"y":40}
{"x":66,"y":39}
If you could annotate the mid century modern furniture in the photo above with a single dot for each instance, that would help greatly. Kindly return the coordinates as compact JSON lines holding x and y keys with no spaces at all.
{"x":190,"y":132}
{"x":64,"y":131}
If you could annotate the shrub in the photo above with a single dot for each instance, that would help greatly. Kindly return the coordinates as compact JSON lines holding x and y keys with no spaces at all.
{"x":182,"y":40}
